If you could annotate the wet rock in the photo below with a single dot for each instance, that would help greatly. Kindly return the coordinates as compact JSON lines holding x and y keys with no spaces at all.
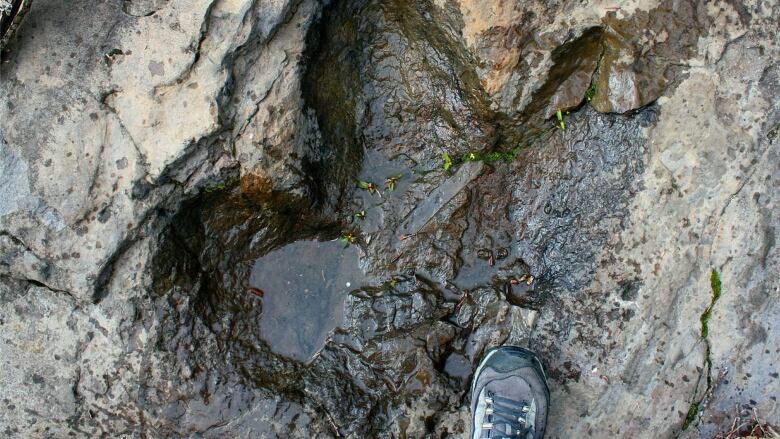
{"x":638,"y":61}
{"x":457,"y":366}
{"x":524,"y":295}
{"x":375,"y":313}
{"x":570,"y":76}
{"x":438,"y":340}
{"x":201,"y":137}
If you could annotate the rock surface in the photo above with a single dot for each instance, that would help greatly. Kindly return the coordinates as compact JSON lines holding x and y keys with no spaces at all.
{"x":152,"y":150}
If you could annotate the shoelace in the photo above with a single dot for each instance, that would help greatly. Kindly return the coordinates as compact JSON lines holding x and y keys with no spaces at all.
{"x":506,"y":413}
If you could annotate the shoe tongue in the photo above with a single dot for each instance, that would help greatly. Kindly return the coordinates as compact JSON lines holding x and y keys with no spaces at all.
{"x":513,"y":387}
{"x":503,"y":429}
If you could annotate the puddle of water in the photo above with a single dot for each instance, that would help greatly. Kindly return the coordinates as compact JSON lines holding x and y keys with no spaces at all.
{"x":304,"y":285}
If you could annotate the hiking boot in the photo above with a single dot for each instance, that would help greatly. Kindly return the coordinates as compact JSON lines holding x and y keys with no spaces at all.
{"x":509,"y":395}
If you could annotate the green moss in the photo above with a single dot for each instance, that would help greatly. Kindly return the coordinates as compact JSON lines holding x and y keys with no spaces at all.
{"x":716,"y":285}
{"x":491,"y":157}
{"x":217,"y":187}
{"x":496,"y":156}
{"x":693,"y":410}
{"x":705,"y":316}
{"x":591,"y":92}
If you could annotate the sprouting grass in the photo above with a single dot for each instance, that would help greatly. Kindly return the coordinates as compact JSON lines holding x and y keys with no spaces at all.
{"x":367,"y":186}
{"x":348,"y":238}
{"x":561,"y":123}
{"x":391,"y":181}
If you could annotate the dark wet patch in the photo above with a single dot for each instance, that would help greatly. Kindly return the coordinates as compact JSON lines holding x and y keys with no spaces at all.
{"x":331,"y":86}
{"x":645,"y":53}
{"x":143,"y":8}
{"x":573,"y":66}
{"x":383,"y":206}
{"x":457,"y":256}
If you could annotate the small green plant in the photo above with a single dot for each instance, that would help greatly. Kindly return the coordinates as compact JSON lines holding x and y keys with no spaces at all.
{"x":367,"y":186}
{"x":390,"y":182}
{"x":447,"y":161}
{"x":348,"y":238}
{"x":590,"y":93}
{"x":772,"y":134}
{"x":561,"y":123}
{"x":471,"y":157}
{"x":361,"y":215}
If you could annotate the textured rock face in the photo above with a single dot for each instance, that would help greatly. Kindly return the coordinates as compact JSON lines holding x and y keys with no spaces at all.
{"x":151,"y":150}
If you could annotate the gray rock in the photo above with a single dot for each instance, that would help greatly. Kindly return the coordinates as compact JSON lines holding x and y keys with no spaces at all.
{"x":14,"y":185}
{"x":151,"y":151}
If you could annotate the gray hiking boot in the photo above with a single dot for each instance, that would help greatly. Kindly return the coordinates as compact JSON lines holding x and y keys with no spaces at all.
{"x":509,"y":395}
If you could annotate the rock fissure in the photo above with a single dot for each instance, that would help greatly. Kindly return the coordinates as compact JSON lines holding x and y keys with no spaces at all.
{"x":39,"y":284}
{"x":141,"y":157}
{"x":185,"y":75}
{"x":697,"y":405}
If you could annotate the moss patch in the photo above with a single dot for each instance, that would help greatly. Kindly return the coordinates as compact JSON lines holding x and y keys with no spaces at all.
{"x":693,"y":410}
{"x":705,"y":316}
